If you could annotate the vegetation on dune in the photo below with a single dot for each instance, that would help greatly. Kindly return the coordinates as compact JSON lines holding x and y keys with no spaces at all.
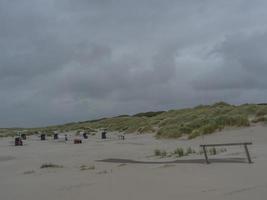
{"x":259,"y":119}
{"x":181,"y":152}
{"x":189,"y":122}
{"x":161,"y":153}
{"x":122,"y":124}
{"x":148,"y":114}
{"x":202,"y":120}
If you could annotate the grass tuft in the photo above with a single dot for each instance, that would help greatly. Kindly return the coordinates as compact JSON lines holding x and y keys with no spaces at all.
{"x":161,"y":153}
{"x":85,"y":167}
{"x":50,"y":165}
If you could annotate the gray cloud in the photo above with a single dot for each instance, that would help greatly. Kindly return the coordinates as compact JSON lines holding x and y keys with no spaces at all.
{"x":243,"y":64}
{"x":69,"y":60}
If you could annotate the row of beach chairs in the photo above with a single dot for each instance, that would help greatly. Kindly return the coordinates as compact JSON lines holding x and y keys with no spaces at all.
{"x":19,"y":139}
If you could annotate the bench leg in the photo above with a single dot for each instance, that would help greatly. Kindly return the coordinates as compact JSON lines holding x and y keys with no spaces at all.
{"x":205,"y":154}
{"x":248,"y":155}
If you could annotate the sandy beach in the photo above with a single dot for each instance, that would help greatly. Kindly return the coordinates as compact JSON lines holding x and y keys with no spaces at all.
{"x":107,"y":169}
{"x":179,"y":87}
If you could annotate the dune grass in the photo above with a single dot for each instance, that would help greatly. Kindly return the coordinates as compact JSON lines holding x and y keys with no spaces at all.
{"x":160,"y":153}
{"x":181,"y":152}
{"x":85,"y":167}
{"x":50,"y":165}
{"x":189,"y":122}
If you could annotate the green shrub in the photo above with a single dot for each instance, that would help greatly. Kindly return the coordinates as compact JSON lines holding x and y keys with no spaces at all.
{"x":190,"y":151}
{"x":213,"y":151}
{"x":195,"y":133}
{"x":185,"y":129}
{"x":157,"y":152}
{"x":179,"y":152}
{"x":161,"y":153}
{"x":261,"y":112}
{"x":259,"y":119}
{"x":169,"y":132}
{"x":208,"y":129}
{"x":146,"y":129}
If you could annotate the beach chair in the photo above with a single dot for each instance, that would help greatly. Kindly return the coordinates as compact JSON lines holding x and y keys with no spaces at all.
{"x":55,"y":136}
{"x":23,"y":136}
{"x":77,"y":141}
{"x":104,"y":135}
{"x":42,"y":136}
{"x":85,"y":135}
{"x":18,"y":141}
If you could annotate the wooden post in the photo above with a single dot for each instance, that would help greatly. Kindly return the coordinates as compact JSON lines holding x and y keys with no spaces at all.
{"x":247,"y":152}
{"x":206,"y":155}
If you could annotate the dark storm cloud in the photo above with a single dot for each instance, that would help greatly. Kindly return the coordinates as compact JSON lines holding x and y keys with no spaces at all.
{"x":66,"y":60}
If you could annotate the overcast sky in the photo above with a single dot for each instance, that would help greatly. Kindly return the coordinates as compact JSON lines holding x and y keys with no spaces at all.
{"x":74,"y":60}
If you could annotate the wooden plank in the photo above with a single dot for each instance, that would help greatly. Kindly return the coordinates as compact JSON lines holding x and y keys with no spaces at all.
{"x":226,"y":144}
{"x":206,"y":155}
{"x":248,"y":155}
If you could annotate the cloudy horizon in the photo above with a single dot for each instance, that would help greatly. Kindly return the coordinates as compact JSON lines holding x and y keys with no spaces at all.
{"x":66,"y":60}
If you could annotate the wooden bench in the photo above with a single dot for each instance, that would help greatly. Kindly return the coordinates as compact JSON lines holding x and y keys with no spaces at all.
{"x":245,"y":144}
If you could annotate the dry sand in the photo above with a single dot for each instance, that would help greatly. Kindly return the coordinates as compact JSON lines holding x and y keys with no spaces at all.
{"x":21,"y":176}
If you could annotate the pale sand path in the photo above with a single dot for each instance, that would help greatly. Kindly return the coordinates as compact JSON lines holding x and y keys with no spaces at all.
{"x":132,"y":181}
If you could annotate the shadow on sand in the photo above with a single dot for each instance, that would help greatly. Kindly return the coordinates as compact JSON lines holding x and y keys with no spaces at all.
{"x":188,"y":161}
